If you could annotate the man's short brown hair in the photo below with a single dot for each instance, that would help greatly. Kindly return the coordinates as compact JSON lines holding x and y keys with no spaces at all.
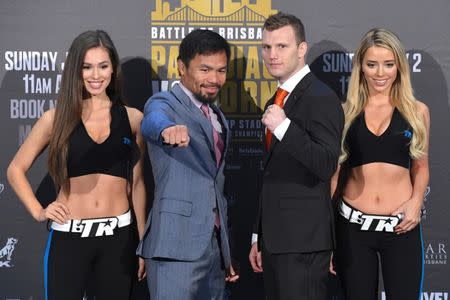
{"x":280,"y":19}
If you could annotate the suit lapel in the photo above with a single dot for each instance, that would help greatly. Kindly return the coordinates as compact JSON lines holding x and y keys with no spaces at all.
{"x":196,"y":114}
{"x":225,"y":130}
{"x":272,"y":142}
{"x":298,"y":92}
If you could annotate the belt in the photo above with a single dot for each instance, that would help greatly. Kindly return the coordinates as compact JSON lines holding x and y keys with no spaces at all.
{"x":351,"y":214}
{"x":369,"y":222}
{"x":94,"y":227}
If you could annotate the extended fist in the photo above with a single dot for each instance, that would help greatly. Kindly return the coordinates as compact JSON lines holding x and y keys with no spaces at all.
{"x":177,"y":135}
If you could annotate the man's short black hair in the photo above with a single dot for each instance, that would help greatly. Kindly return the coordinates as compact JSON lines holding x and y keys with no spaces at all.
{"x":202,"y":41}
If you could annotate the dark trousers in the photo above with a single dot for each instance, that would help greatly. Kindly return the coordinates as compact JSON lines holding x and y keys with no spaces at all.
{"x":108,"y":262}
{"x":357,"y":260}
{"x":296,"y":276}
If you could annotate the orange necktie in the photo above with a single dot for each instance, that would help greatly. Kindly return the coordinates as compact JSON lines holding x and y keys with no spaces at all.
{"x":279,"y":100}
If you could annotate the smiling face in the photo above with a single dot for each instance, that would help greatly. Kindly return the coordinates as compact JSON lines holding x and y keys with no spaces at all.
{"x":97,"y":71}
{"x":205,"y":75}
{"x":282,"y":54}
{"x":380,"y":70}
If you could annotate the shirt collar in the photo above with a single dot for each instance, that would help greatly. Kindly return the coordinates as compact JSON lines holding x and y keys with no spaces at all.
{"x":190,"y":95}
{"x":290,"y":84}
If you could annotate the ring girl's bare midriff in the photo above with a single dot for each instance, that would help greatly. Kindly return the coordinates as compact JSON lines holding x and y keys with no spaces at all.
{"x":96,"y":195}
{"x":378,"y":188}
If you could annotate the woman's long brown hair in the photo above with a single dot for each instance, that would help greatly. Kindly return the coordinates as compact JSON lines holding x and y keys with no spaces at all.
{"x":70,"y":100}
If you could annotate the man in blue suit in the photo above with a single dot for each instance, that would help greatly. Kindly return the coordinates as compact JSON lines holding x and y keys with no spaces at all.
{"x":186,"y":243}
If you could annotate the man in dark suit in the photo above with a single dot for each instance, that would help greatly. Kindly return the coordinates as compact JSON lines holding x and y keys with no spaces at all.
{"x":185,"y":244}
{"x":304,"y":122}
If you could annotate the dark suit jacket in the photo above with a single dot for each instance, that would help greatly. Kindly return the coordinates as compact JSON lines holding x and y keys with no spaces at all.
{"x":295,"y":211}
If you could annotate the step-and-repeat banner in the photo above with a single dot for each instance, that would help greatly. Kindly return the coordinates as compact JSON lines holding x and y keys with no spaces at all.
{"x":35,"y":36}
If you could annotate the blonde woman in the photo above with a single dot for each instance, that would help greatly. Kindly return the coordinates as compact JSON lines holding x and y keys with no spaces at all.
{"x":385,"y":159}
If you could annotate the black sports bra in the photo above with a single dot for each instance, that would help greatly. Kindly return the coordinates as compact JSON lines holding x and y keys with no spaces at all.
{"x":392,"y":146}
{"x":112,"y":157}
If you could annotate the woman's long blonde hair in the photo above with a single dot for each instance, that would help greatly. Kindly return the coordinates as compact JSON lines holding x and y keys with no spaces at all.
{"x":402,"y":96}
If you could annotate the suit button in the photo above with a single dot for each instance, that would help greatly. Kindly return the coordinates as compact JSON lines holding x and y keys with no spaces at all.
{"x":215,"y":210}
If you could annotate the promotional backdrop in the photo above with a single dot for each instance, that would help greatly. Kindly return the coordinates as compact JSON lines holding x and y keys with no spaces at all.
{"x":35,"y":37}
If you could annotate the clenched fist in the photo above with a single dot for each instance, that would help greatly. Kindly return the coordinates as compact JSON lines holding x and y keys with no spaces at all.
{"x":273,"y":116}
{"x":177,"y":135}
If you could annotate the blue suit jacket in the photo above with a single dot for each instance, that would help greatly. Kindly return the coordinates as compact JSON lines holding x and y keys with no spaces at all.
{"x":188,"y":183}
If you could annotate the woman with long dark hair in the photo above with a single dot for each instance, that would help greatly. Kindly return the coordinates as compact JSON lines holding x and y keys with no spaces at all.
{"x":95,"y":158}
